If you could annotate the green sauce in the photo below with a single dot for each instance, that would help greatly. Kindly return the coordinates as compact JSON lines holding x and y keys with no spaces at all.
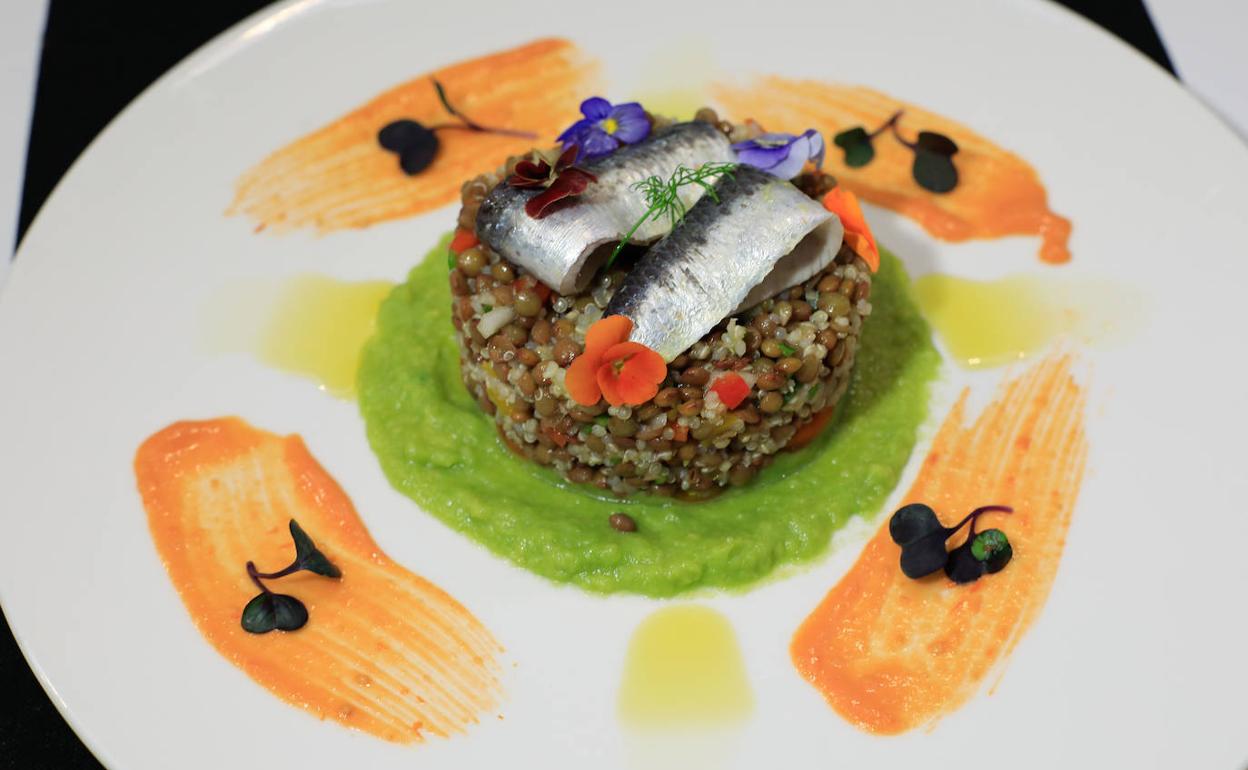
{"x":438,"y":448}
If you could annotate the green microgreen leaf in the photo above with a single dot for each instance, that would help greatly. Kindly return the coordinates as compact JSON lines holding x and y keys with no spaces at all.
{"x":663,"y":196}
{"x":856,"y":144}
{"x":450,"y":259}
{"x":308,"y":556}
{"x":268,"y":611}
{"x":602,"y":420}
{"x":992,"y":548}
{"x":934,"y":172}
{"x":787,"y":350}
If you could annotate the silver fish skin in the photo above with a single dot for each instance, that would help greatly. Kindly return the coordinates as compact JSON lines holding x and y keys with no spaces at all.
{"x":564,"y":248}
{"x":720,"y":258}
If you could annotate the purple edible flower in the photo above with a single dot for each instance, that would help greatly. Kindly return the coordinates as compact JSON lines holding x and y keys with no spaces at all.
{"x":605,"y":127}
{"x":782,"y":155}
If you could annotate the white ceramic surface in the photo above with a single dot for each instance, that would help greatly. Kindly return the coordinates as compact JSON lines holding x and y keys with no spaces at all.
{"x":1136,"y":660}
{"x":21,"y":34}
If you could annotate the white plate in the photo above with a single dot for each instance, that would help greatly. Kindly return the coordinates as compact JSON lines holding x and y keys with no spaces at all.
{"x":1137,"y":658}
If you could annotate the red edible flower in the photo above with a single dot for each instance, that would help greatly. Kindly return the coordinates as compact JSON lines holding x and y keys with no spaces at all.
{"x":562,"y":181}
{"x":612,"y":367}
{"x":731,"y":389}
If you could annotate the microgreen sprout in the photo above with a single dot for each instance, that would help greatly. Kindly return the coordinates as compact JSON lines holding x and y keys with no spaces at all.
{"x":933,"y":167}
{"x":267,"y":610}
{"x":922,"y":539}
{"x":416,"y":144}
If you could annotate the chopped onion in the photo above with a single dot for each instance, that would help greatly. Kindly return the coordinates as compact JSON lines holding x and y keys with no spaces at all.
{"x":494,"y":320}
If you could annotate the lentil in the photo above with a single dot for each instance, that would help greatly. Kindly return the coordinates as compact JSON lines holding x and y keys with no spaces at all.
{"x":622,"y":522}
{"x":685,"y":441}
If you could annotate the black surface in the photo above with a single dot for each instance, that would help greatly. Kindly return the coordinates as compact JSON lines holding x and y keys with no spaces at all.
{"x":97,"y":57}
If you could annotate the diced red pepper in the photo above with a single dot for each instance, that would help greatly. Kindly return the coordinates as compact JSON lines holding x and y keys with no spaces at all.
{"x":529,"y":282}
{"x":556,"y":436}
{"x":463,"y":240}
{"x":732,"y":389}
{"x":680,"y":432}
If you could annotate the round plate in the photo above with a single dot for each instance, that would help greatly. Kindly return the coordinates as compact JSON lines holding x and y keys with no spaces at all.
{"x":1137,"y":658}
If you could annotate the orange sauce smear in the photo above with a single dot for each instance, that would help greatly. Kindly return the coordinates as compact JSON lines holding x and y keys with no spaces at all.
{"x":890,"y":653}
{"x":384,"y":651}
{"x":339,"y":177}
{"x":998,"y":193}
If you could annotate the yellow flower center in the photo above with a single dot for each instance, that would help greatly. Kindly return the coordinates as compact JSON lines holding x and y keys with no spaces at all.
{"x":610,"y":125}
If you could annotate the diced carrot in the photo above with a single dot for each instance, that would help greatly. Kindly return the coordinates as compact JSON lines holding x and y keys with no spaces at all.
{"x":811,"y":430}
{"x":680,"y":432}
{"x":507,"y":442}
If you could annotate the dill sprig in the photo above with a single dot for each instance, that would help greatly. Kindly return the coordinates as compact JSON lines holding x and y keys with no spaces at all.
{"x":663,"y":198}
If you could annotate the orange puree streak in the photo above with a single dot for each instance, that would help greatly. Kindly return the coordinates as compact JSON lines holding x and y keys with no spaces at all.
{"x":890,"y":653}
{"x":385,"y":651}
{"x":998,"y":193}
{"x":339,"y":177}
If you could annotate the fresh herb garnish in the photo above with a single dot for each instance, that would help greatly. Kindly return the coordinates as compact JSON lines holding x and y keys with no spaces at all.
{"x":922,"y":539}
{"x":417,"y":144}
{"x":663,"y":198}
{"x":786,"y":349}
{"x":933,"y":167}
{"x":267,"y":610}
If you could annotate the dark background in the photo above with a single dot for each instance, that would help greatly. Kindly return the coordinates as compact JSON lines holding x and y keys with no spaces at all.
{"x":98,"y":56}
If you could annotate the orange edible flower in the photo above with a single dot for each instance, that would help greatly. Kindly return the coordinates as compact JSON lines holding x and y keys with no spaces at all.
{"x":611,"y":366}
{"x":463,"y":240}
{"x":858,"y":235}
{"x":630,"y":374}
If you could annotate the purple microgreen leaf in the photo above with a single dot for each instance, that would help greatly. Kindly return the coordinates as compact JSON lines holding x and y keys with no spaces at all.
{"x":268,"y":611}
{"x":937,"y":144}
{"x":911,"y":522}
{"x":308,"y":556}
{"x":992,"y":548}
